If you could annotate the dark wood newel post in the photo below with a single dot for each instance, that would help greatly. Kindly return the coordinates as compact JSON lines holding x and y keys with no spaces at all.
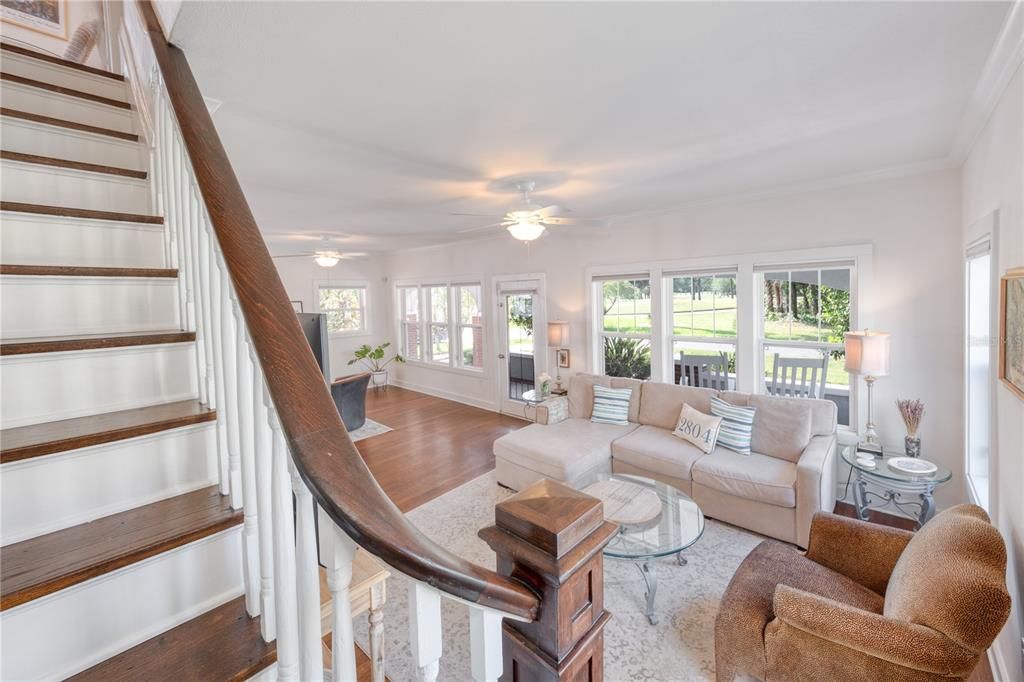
{"x":550,"y":537}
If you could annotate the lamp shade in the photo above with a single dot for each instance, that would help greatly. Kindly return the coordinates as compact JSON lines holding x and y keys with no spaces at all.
{"x":558,"y":334}
{"x":867,"y":353}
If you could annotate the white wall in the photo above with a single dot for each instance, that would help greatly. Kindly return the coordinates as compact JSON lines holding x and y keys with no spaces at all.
{"x":913,"y":224}
{"x":993,"y":179}
{"x":301,"y":277}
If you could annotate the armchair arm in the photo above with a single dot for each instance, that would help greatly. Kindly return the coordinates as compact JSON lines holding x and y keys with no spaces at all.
{"x":553,"y":410}
{"x":899,"y":642}
{"x":815,"y":483}
{"x":864,"y":552}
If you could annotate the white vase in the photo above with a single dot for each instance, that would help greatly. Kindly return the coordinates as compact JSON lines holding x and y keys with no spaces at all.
{"x":379,"y":378}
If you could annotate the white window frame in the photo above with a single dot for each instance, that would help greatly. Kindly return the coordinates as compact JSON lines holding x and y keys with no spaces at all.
{"x":431,"y":323}
{"x":597,"y":291}
{"x":460,"y":326}
{"x":732,"y":342}
{"x":403,"y":324}
{"x":362,"y":285}
{"x":426,"y":324}
{"x":749,"y":369}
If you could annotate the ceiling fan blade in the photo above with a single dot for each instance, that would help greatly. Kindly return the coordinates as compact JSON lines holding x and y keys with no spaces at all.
{"x":476,"y":215}
{"x":482,"y":228}
{"x":356,"y":254}
{"x":578,"y":222}
{"x":296,"y":255}
{"x":553,"y":211}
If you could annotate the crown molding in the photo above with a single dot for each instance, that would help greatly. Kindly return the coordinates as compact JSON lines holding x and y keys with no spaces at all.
{"x":1003,"y":61}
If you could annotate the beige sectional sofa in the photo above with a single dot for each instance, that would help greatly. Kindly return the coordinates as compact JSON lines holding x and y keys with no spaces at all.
{"x":773,"y":491}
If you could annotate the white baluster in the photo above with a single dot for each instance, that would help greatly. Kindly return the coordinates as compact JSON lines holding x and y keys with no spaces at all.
{"x":485,"y":644}
{"x":268,"y":627}
{"x":337,"y":552}
{"x":202,"y":284}
{"x":246,"y":440}
{"x":285,"y":596}
{"x":170,"y":210}
{"x":425,"y":629}
{"x":308,"y":576}
{"x":230,"y":386}
{"x":217,"y":345}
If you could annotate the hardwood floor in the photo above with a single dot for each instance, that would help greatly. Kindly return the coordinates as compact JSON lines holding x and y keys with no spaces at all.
{"x":436,"y":445}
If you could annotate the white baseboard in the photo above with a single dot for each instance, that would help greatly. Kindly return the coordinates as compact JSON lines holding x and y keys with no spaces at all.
{"x":488,"y":405}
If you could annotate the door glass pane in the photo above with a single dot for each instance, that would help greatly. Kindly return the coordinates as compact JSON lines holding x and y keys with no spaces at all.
{"x":520,"y":352}
{"x":978,"y":373}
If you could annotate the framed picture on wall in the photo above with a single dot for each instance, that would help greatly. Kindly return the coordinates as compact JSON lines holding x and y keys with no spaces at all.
{"x":49,"y":17}
{"x":563,"y":357}
{"x":1011,"y":330}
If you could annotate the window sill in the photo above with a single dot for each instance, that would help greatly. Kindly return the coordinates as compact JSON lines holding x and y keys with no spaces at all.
{"x":478,"y":373}
{"x":349,"y":335}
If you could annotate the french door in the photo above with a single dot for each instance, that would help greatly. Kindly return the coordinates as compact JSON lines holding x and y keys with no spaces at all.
{"x":522,"y":340}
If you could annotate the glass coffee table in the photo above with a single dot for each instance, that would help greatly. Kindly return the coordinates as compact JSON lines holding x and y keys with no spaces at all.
{"x":893,"y":481}
{"x":655,"y":520}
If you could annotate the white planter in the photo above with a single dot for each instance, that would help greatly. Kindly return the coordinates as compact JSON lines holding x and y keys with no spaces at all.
{"x":379,"y":379}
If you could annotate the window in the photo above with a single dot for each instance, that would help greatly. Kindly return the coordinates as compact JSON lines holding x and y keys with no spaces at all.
{"x":704,"y":317}
{"x":450,"y":330}
{"x":470,"y":329}
{"x":979,"y":374}
{"x":345,"y":307}
{"x":805,"y":312}
{"x":410,"y":322}
{"x":626,"y":326}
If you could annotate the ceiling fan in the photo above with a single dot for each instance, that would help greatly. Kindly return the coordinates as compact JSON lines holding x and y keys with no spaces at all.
{"x":527,"y":221}
{"x":325,"y":258}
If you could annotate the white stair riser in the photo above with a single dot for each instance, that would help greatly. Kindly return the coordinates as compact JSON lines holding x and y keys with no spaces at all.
{"x":34,"y":184}
{"x":28,"y":239}
{"x":63,"y":76}
{"x":54,"y":306}
{"x":45,"y":494}
{"x":62,"y":143}
{"x":74,"y":629}
{"x":45,"y":103}
{"x":48,"y":386}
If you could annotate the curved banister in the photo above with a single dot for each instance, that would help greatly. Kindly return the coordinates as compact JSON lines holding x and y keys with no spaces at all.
{"x":322,"y":451}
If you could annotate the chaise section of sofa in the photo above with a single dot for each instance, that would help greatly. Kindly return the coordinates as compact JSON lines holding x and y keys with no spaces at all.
{"x":773,"y":491}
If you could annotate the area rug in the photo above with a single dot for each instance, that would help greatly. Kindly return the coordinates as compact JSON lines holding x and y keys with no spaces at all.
{"x":370,"y":428}
{"x":679,"y":648}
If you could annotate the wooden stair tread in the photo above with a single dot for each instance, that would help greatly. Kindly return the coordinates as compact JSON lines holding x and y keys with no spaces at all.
{"x":43,"y":565}
{"x":58,"y":344}
{"x":70,"y":125}
{"x":84,"y":271}
{"x":75,"y":165}
{"x":69,"y":212}
{"x":221,"y":644}
{"x":17,"y":49}
{"x":60,"y":89}
{"x":35,"y":440}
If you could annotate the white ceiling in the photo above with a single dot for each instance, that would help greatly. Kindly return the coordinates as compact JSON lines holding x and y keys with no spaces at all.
{"x":372,"y":121}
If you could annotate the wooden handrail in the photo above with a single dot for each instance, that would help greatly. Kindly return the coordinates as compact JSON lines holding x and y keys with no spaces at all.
{"x":321,"y":448}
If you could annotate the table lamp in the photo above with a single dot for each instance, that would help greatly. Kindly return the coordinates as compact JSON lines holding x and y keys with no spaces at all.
{"x":867,"y":354}
{"x":558,"y":338}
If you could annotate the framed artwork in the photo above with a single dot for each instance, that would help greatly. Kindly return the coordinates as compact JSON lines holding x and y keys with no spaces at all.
{"x":297,"y":306}
{"x":563,"y":357}
{"x":1011,"y":330}
{"x":49,"y":17}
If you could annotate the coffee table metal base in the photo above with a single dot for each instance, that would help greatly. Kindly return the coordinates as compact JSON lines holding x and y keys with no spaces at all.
{"x":651,"y":582}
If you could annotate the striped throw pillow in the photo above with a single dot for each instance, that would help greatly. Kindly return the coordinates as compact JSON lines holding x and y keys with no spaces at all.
{"x":611,"y":405}
{"x":737,"y":425}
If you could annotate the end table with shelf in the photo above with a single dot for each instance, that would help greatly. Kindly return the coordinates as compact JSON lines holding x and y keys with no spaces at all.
{"x":894,"y":484}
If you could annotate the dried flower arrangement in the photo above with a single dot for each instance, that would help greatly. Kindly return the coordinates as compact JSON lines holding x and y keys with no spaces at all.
{"x":912,"y":411}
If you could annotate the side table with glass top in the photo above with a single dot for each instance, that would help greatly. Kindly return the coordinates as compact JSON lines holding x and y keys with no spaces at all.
{"x":894,"y":482}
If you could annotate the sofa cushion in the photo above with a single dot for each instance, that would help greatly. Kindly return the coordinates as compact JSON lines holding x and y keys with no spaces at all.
{"x":755,"y":476}
{"x":952,"y":570}
{"x":561,"y":451}
{"x":634,"y":398}
{"x":737,"y":425}
{"x":611,"y":405}
{"x":660,"y":404}
{"x":698,"y":428}
{"x":782,"y":426}
{"x":581,"y":394}
{"x":657,"y":450}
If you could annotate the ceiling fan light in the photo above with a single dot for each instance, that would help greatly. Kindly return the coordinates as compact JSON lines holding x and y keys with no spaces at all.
{"x":326,"y":260}
{"x":526,"y":231}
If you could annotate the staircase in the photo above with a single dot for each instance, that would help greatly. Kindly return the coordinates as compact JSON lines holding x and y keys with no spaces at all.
{"x":114,"y":528}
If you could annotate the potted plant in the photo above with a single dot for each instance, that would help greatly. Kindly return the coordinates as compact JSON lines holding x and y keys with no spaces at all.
{"x":373,"y":360}
{"x":912,"y":411}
